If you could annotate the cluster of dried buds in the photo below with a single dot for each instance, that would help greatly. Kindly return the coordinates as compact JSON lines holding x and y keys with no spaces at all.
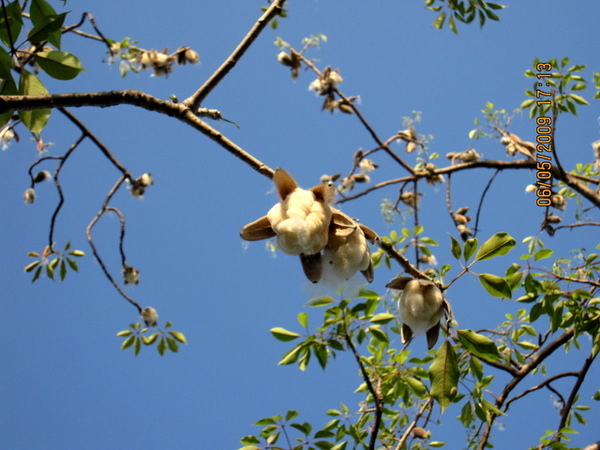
{"x":514,"y":145}
{"x":161,"y":63}
{"x":468,"y":156}
{"x":364,"y":165}
{"x":325,"y":85}
{"x":409,"y":136}
{"x":332,"y":246}
{"x":460,"y":220}
{"x":432,"y":177}
{"x":29,"y":195}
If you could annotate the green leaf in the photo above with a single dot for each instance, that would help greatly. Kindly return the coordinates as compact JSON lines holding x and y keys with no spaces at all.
{"x":39,"y":10}
{"x":478,"y":345}
{"x":72,"y":264}
{"x":59,"y":65}
{"x":247,"y":440}
{"x":137,"y":346}
{"x":30,"y":267}
{"x":320,"y":301}
{"x":127,"y":342}
{"x":303,"y":319}
{"x":443,"y":374}
{"x":161,"y":347}
{"x":455,"y":247}
{"x":417,"y":386}
{"x":438,"y":23}
{"x":37,"y":273}
{"x":498,"y":244}
{"x":470,"y":247}
{"x":35,"y":120}
{"x":9,"y":34}
{"x":543,"y":253}
{"x":48,"y":30}
{"x":77,"y":253}
{"x":382,"y":318}
{"x":149,"y":340}
{"x":291,"y":356}
{"x":63,"y":269}
{"x":284,"y":335}
{"x":125,"y":333}
{"x":172,"y":343}
{"x":496,"y":286}
{"x":178,"y":336}
{"x":579,"y":99}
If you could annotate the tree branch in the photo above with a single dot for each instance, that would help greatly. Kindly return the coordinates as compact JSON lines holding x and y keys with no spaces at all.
{"x":194,"y":101}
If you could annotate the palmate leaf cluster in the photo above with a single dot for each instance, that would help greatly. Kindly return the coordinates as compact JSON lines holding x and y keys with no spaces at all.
{"x":408,"y":391}
{"x":37,"y":51}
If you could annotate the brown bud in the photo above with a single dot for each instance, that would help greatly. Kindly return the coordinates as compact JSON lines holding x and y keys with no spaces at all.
{"x":420,"y":433}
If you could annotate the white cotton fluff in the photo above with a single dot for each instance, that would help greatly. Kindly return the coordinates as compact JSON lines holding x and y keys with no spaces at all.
{"x":301,"y":223}
{"x":420,"y":306}
{"x":345,"y":256}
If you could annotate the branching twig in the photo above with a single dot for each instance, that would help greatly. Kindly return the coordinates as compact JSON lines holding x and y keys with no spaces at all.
{"x":88,"y":234}
{"x":526,"y":369}
{"x":413,"y":423}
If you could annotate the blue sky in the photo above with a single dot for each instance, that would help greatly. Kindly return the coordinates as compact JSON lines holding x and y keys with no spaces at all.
{"x":65,"y":384}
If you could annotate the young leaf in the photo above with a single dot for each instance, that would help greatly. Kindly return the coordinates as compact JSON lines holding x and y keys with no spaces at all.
{"x":59,"y":65}
{"x":443,"y":374}
{"x":382,"y":318}
{"x":470,"y":247}
{"x":35,"y":120}
{"x":30,"y":267}
{"x":455,"y":247}
{"x":496,"y":286}
{"x":127,"y":342}
{"x":179,"y":336}
{"x":284,"y":335}
{"x":498,"y":244}
{"x":478,"y":345}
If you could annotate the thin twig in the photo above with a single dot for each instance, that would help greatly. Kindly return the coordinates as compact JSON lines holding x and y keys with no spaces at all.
{"x":480,"y":205}
{"x":61,"y":198}
{"x":413,"y":424}
{"x":88,"y":234}
{"x":377,"y":398}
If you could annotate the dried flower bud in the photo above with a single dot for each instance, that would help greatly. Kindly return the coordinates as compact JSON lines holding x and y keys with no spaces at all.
{"x":145,"y":179}
{"x":428,"y":259}
{"x":347,"y":184}
{"x":192,"y":56}
{"x":463,"y":210}
{"x":29,"y":196}
{"x":6,"y":135}
{"x":553,"y":219}
{"x":530,"y":188}
{"x":469,"y":155}
{"x":366,"y":165}
{"x":420,"y":433}
{"x":284,"y":58}
{"x":42,"y":176}
{"x":328,"y":178}
{"x":150,"y":316}
{"x":410,"y":199}
{"x":131,"y":275}
{"x":461,"y":219}
{"x":505,"y":140}
{"x":559,"y":202}
{"x":464,"y":231}
{"x":361,"y":178}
